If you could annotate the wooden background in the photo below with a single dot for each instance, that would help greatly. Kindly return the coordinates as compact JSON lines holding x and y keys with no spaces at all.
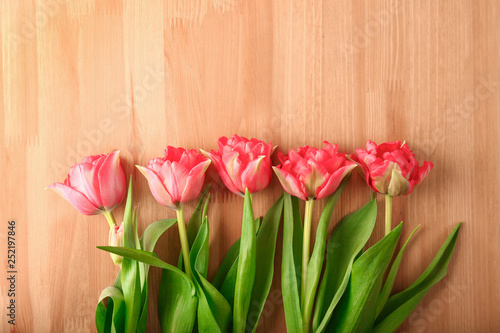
{"x":81,"y":77}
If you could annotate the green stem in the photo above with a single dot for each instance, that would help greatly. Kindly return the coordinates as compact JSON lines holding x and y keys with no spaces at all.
{"x":388,"y":214}
{"x":111,"y":219}
{"x":184,"y":241}
{"x":306,"y":246}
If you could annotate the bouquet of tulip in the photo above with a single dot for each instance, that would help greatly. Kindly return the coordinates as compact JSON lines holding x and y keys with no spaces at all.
{"x":351,"y":294}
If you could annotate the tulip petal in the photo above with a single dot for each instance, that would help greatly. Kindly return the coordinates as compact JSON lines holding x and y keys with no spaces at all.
{"x":424,"y":170}
{"x":217,"y":162}
{"x":175,"y":182}
{"x":75,"y":198}
{"x":156,"y":186}
{"x":194,"y":182}
{"x":398,"y":185}
{"x":333,"y":182}
{"x":380,"y":174}
{"x":257,"y":174}
{"x":289,"y":183}
{"x":112,"y":183}
{"x":80,"y":179}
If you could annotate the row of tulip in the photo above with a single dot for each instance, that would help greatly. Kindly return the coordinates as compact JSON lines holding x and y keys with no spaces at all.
{"x":234,"y":300}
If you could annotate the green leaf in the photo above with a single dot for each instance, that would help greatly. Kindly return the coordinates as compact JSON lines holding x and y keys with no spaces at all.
{"x":264,"y":270}
{"x":195,"y":222}
{"x":399,"y":306}
{"x":289,"y":273}
{"x":118,"y":307}
{"x":143,"y":319}
{"x":316,"y":262}
{"x":130,"y":279}
{"x":246,"y":267}
{"x":177,"y":301}
{"x":199,"y":214}
{"x":356,"y":310}
{"x":214,"y":312}
{"x":153,"y":233}
{"x":230,"y":261}
{"x":102,"y":319}
{"x":130,"y":272}
{"x":128,"y":220}
{"x":225,"y":279}
{"x":391,"y":277}
{"x":345,"y":244}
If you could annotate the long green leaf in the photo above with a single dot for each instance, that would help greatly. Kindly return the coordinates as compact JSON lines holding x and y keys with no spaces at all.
{"x":116,"y":304}
{"x":214,"y":310}
{"x":400,"y":306}
{"x":246,"y":267}
{"x":264,"y":270}
{"x":225,"y":278}
{"x":346,"y":242}
{"x":177,"y":302}
{"x":153,"y":233}
{"x":289,"y":284}
{"x":177,"y":299}
{"x":356,"y":310}
{"x":143,"y":319}
{"x":391,"y":277}
{"x":130,"y":273}
{"x":195,"y":222}
{"x":229,"y":261}
{"x":317,"y":258}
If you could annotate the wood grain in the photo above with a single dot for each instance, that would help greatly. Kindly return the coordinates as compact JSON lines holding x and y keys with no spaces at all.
{"x":80,"y":77}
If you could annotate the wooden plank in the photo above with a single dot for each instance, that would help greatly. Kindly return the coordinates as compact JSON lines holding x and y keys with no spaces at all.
{"x":81,"y":77}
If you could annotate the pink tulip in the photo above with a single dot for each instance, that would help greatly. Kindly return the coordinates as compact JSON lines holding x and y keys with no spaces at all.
{"x":390,"y":168}
{"x":94,"y":186}
{"x":243,"y":164}
{"x":177,"y":178}
{"x":311,"y":173}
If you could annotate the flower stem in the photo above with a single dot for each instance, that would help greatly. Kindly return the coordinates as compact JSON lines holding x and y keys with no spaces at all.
{"x":184,"y":241}
{"x":305,"y":256}
{"x":388,"y":214}
{"x":111,"y":219}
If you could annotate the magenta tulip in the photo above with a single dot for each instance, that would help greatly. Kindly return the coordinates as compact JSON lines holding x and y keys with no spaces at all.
{"x":242,"y":163}
{"x":94,"y":186}
{"x":311,"y":173}
{"x":176,"y":178}
{"x":390,"y":168}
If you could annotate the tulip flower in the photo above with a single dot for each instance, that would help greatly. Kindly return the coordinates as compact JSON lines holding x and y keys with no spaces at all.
{"x":116,"y":239}
{"x":174,"y":180}
{"x":390,"y":169}
{"x":242,"y":163}
{"x":245,"y":168}
{"x":311,"y":173}
{"x":94,"y":186}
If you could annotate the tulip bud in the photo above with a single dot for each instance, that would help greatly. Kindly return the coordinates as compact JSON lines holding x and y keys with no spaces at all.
{"x":116,"y":239}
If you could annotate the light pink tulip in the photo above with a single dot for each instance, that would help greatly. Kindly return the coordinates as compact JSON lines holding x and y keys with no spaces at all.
{"x":242,"y":163}
{"x":94,"y":186}
{"x":176,"y":178}
{"x":312,"y":173}
{"x":390,"y":168}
